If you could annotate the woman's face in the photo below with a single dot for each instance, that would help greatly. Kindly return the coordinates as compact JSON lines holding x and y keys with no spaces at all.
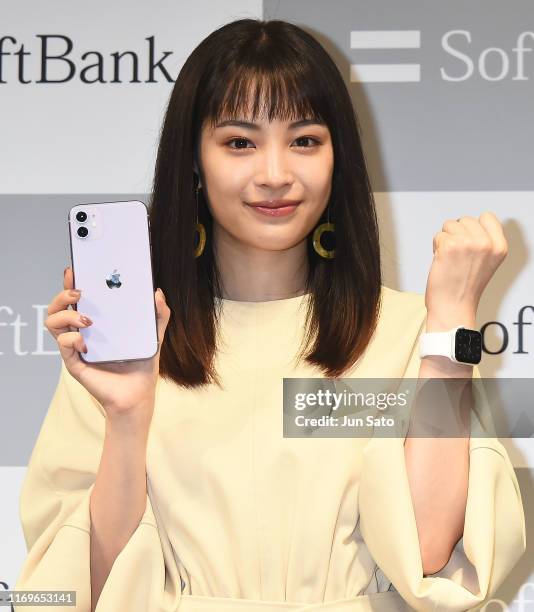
{"x":243,"y":164}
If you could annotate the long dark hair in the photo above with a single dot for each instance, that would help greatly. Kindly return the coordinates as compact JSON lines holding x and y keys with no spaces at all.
{"x":233,"y":69}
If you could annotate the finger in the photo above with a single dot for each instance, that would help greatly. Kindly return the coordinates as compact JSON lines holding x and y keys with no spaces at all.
{"x":68,"y":278}
{"x":70,"y":345}
{"x":474,"y":228}
{"x":60,"y":322}
{"x":494,"y":229}
{"x":163,"y":314}
{"x":62,"y":300}
{"x":438,"y":240}
{"x":452,"y":226}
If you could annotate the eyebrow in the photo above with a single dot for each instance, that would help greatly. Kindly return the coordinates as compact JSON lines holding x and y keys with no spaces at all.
{"x":255,"y":126}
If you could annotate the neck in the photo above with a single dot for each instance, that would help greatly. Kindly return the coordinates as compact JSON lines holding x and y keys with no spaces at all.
{"x":252,"y":274}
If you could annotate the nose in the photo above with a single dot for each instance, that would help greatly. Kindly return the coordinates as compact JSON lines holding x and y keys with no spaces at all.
{"x":272,"y":170}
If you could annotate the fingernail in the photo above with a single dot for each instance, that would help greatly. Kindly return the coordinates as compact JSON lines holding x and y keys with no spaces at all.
{"x":85,"y":320}
{"x":75,"y":292}
{"x":65,"y":271}
{"x":84,"y":349}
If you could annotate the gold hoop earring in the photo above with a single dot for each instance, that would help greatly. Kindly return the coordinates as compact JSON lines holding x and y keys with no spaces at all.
{"x":199,"y":227}
{"x":317,"y":234}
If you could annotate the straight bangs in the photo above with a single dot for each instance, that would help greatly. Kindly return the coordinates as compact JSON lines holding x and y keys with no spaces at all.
{"x":275,"y":91}
{"x":266,"y":78}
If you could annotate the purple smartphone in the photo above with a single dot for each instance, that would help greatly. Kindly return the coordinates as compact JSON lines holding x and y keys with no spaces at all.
{"x":112,"y":265}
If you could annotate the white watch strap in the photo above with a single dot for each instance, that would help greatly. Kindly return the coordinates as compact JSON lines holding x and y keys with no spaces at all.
{"x":438,"y":343}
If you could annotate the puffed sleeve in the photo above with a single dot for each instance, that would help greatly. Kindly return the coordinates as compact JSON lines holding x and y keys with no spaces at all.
{"x":54,"y":512}
{"x":494,"y":535}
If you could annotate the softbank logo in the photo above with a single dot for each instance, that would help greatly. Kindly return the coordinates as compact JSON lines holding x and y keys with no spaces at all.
{"x":490,"y":64}
{"x":21,"y":344}
{"x":57,"y":60}
{"x":385,"y":39}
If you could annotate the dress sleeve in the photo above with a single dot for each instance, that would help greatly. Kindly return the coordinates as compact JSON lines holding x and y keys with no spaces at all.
{"x":54,"y":512}
{"x":494,"y":535}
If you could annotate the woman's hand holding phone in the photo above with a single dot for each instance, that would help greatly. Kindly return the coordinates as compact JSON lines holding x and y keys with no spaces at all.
{"x":124,"y":389}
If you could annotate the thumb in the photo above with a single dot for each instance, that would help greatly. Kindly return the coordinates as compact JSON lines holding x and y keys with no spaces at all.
{"x":163,"y":314}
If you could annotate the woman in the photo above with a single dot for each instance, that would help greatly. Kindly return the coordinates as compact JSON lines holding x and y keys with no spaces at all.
{"x":168,"y":484}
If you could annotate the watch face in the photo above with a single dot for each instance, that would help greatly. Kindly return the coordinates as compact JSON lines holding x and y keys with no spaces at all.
{"x":468,"y":346}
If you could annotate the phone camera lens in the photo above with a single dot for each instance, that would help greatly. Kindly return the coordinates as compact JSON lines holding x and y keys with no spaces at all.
{"x":81,"y":216}
{"x":82,"y":232}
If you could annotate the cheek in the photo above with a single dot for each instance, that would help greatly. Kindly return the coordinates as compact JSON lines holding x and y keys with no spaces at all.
{"x":317,"y":177}
{"x":226,"y":177}
{"x":224,"y":185}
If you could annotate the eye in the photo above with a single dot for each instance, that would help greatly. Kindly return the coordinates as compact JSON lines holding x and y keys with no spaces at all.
{"x":314,"y":140}
{"x":242,"y":139}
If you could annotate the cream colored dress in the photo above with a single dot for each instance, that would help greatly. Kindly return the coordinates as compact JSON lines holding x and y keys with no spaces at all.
{"x":239,"y":518}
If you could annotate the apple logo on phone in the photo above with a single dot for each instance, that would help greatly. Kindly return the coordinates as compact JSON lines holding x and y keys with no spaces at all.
{"x":113,"y":280}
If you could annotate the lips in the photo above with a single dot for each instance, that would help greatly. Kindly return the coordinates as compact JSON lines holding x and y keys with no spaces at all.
{"x":275,"y":208}
{"x":275,"y":203}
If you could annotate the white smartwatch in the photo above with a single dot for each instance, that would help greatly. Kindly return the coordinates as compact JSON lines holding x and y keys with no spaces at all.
{"x":460,"y":344}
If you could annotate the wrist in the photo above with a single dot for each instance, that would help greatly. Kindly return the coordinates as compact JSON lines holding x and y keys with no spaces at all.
{"x":446,"y":320}
{"x":134,"y":420}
